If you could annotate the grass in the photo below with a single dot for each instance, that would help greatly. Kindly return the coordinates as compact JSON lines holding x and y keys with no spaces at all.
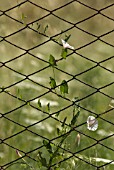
{"x":29,"y":89}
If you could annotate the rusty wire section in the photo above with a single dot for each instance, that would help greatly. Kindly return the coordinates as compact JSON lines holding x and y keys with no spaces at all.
{"x":11,"y":140}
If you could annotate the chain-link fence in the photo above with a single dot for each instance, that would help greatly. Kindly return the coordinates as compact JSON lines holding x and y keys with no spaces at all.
{"x":56,"y":84}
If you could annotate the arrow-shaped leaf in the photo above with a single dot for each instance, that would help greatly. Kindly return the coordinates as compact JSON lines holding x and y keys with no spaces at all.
{"x":52,"y":82}
{"x":42,"y":160}
{"x":64,"y":87}
{"x":52,"y":61}
{"x":64,"y":53}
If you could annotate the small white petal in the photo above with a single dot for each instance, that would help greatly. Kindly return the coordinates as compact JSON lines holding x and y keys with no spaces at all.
{"x":92,"y":123}
{"x":66,"y":45}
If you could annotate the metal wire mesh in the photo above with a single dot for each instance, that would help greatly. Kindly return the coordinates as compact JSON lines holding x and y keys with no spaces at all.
{"x":23,"y":68}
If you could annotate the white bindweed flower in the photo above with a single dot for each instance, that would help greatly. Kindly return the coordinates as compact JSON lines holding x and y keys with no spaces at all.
{"x":92,"y":123}
{"x":66,"y":45}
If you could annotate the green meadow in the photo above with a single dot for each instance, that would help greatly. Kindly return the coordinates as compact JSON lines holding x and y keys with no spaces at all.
{"x":31,"y":111}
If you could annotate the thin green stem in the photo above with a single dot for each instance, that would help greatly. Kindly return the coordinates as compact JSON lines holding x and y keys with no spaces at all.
{"x":57,"y":149}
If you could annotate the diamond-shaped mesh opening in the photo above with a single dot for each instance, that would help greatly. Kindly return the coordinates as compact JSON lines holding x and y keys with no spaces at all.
{"x":57,"y":99}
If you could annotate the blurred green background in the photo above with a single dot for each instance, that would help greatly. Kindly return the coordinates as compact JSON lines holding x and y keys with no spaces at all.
{"x":76,"y":63}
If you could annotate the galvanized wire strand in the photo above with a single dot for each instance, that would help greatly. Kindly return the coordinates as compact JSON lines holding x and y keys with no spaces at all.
{"x":50,"y":91}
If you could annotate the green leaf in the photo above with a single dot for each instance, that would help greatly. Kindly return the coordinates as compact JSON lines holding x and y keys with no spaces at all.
{"x":45,"y":29}
{"x":76,"y":106}
{"x":52,"y":61}
{"x":23,"y":16}
{"x":23,"y":165}
{"x":19,"y":94}
{"x":58,"y":131}
{"x":64,"y":87}
{"x":48,"y":146}
{"x":45,"y":142}
{"x":52,"y":82}
{"x":74,"y":119}
{"x":48,"y":107}
{"x":64,"y":121}
{"x":38,"y":26}
{"x":64,"y":53}
{"x":39,"y":104}
{"x":57,"y":168}
{"x":57,"y":114}
{"x":67,"y":37}
{"x":42,"y":160}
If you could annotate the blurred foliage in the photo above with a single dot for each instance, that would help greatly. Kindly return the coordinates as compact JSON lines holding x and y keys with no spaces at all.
{"x":74,"y":64}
